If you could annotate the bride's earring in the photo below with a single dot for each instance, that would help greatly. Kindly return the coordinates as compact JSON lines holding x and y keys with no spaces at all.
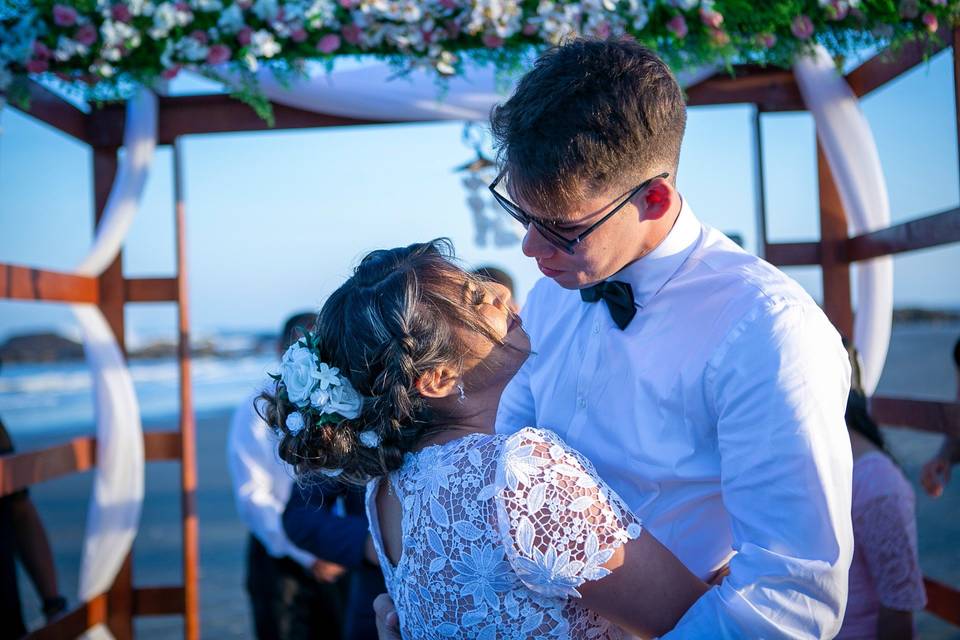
{"x":463,"y":396}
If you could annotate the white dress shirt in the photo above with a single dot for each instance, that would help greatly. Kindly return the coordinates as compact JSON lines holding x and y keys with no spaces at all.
{"x":261,"y":483}
{"x":717,"y":415}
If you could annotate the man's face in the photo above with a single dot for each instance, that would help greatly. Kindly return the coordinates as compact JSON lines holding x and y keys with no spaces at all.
{"x":620,"y":240}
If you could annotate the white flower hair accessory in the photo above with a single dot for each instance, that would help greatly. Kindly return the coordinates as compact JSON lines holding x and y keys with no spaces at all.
{"x":321,"y":393}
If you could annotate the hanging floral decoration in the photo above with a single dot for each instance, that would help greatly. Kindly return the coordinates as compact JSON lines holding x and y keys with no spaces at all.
{"x":104,"y":46}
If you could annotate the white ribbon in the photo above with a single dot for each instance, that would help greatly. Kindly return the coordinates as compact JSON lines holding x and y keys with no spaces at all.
{"x":114,"y":513}
{"x":851,"y":152}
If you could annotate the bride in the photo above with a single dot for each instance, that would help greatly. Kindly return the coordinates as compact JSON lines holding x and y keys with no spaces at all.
{"x":479,"y":535}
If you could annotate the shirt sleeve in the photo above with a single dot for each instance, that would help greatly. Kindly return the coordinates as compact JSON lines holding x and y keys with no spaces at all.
{"x":313,"y":525}
{"x":260,"y":484}
{"x":778,"y":384}
{"x":886,"y":535}
{"x":560,"y":523}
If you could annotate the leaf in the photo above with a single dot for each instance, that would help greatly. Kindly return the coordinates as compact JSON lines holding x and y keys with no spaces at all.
{"x":449,"y":630}
{"x":470,"y":618}
{"x":438,"y":513}
{"x":487,"y":492}
{"x":474,"y":457}
{"x":585,"y":481}
{"x":436,"y":544}
{"x":567,"y":470}
{"x":467,"y":530}
{"x":536,"y":497}
{"x":581,"y":504}
{"x":437,"y":564}
{"x":525,"y":536}
{"x":532,"y":623}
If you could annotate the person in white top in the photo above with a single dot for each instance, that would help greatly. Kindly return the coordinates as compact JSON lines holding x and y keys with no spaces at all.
{"x":292,"y":593}
{"x":707,"y":388}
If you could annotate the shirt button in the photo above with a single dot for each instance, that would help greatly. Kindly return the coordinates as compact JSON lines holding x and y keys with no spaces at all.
{"x":582,"y":402}
{"x":596,"y":326}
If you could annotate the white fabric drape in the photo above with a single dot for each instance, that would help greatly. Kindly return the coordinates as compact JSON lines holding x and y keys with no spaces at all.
{"x":851,"y":152}
{"x":114,"y":513}
{"x":375,"y":92}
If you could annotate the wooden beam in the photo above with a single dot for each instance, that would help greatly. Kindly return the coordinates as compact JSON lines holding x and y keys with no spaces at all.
{"x":932,"y":231}
{"x":53,"y":110}
{"x":923,"y":415}
{"x":219,"y":113}
{"x":833,"y":234}
{"x":887,"y":65}
{"x":20,"y":470}
{"x":158,"y":601}
{"x":943,"y":601}
{"x":151,"y":289}
{"x":25,"y":283}
{"x":769,"y":88}
{"x":161,"y":445}
{"x":793,"y":254}
{"x":74,"y":623}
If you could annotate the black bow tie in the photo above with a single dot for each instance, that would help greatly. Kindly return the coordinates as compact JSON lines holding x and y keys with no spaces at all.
{"x":619,"y":299}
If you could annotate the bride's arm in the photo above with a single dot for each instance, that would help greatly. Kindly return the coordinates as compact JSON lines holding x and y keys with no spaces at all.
{"x":648,"y":590}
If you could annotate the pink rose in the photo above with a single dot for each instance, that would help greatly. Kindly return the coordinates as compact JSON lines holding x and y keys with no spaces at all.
{"x":244,"y":4}
{"x":492,"y":41}
{"x":677,"y":25}
{"x":182,"y":7}
{"x":41,"y":51}
{"x":86,"y":35}
{"x":603,"y":30}
{"x":352,"y":34}
{"x":711,"y":18}
{"x":121,"y":13}
{"x":767,"y":40}
{"x":64,"y":16}
{"x":171,"y":73}
{"x":802,"y":27}
{"x":37,"y":66}
{"x":448,"y":4}
{"x":529,"y":29}
{"x":930,"y":21}
{"x":837,"y":9}
{"x":200,"y":36}
{"x":218,"y":54}
{"x":452,"y":29}
{"x":348,"y":4}
{"x":909,"y":9}
{"x":427,"y":35}
{"x":244,"y":36}
{"x":938,"y":3}
{"x":329,"y":43}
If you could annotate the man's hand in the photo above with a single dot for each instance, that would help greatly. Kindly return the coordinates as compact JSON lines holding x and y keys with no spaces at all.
{"x":327,"y":572}
{"x":388,"y":623}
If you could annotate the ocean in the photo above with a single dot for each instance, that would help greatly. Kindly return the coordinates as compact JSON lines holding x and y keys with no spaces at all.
{"x":42,"y":404}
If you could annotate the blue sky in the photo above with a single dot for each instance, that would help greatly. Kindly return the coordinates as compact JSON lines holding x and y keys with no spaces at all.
{"x":277,"y":219}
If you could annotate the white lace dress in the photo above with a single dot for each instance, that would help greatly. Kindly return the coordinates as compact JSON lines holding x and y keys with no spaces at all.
{"x":498,"y":533}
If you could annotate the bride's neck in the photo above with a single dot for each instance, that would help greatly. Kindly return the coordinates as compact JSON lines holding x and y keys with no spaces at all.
{"x":476,"y":414}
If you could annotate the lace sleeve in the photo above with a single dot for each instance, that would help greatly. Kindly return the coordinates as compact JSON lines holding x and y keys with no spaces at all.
{"x":886,"y":535}
{"x":558,"y":520}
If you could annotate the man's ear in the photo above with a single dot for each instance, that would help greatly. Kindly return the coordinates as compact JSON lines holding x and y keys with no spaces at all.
{"x":657,"y":199}
{"x":438,"y":383}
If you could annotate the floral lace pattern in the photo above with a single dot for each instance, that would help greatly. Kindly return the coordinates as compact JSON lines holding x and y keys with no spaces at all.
{"x":498,"y":533}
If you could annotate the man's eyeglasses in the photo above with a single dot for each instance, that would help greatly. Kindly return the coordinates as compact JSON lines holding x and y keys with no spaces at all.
{"x":553,"y":236}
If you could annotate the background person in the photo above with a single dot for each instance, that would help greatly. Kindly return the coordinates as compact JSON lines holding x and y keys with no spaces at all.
{"x":293,"y":594}
{"x":935,"y":474}
{"x":886,"y":585}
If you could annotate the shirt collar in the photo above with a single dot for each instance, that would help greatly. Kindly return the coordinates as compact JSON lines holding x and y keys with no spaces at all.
{"x":651,"y":272}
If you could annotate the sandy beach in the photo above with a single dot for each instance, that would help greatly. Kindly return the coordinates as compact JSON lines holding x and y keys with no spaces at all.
{"x":918,"y":365}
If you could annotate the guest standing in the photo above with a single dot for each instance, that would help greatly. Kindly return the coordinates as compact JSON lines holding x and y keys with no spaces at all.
{"x":886,"y":585}
{"x":936,"y":472}
{"x":293,"y":594}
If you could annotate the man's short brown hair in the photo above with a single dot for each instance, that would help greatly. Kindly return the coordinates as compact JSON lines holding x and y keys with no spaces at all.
{"x":591,"y":115}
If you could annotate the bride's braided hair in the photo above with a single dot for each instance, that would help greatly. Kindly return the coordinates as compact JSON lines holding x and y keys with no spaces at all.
{"x":396,"y":318}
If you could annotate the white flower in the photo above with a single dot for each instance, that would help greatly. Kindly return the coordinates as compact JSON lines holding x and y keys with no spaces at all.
{"x":295,"y":423}
{"x":231,"y":19}
{"x":296,"y":372}
{"x":206,"y":5}
{"x":634,"y":530}
{"x":344,"y":400}
{"x":263,"y":44}
{"x":369,"y":439}
{"x":67,"y":48}
{"x":319,"y":399}
{"x":192,"y":49}
{"x":327,"y":376}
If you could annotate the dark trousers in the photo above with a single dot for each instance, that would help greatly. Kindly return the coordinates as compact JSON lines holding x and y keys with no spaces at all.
{"x":287,"y":602}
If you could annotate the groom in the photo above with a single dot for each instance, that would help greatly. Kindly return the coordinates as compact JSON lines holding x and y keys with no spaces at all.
{"x":707,"y":388}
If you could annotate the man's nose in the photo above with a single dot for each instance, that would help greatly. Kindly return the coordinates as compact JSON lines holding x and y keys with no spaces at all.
{"x":535,"y":245}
